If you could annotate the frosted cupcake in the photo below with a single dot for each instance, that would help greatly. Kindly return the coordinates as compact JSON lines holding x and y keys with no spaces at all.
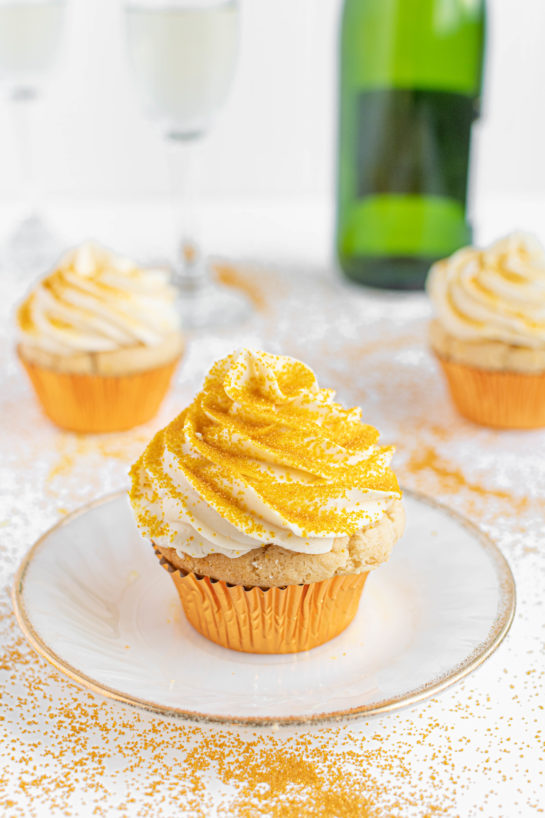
{"x":100,"y":339}
{"x":268,"y":503}
{"x":489,"y":333}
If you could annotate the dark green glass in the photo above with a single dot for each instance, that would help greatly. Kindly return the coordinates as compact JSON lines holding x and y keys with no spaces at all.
{"x":410,"y":85}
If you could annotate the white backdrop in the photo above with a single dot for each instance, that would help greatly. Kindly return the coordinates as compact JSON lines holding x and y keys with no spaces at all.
{"x":276,"y":137}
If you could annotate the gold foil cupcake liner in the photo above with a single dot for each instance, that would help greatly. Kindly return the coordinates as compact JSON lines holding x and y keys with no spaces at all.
{"x":100,"y":403}
{"x":267,"y":620}
{"x":508,"y":400}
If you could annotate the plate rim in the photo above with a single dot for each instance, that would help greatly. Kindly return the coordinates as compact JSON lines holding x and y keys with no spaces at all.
{"x":497,"y":633}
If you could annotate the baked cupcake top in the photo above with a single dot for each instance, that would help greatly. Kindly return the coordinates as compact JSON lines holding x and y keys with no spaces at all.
{"x":95,"y":301}
{"x":495,"y":294}
{"x":261,"y":456}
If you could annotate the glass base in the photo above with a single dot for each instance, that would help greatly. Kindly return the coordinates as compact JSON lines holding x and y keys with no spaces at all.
{"x":210,"y":305}
{"x":388,"y":273}
{"x":31,"y":249}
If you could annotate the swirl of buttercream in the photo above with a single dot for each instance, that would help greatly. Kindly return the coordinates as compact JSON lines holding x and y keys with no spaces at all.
{"x":495,"y":294}
{"x":262,"y":456}
{"x":95,"y":301}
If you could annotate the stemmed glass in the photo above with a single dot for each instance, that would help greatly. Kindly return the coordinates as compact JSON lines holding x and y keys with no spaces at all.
{"x":183,"y":55}
{"x":30,"y":40}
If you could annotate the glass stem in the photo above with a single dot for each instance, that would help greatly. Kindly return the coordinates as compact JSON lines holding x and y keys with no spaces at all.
{"x":21,"y":103}
{"x":190,"y":270}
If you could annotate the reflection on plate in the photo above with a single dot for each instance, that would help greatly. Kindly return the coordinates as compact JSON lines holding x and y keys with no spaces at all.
{"x":92,"y":599}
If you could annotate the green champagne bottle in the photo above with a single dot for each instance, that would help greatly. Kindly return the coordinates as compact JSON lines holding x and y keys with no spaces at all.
{"x":410,"y":84}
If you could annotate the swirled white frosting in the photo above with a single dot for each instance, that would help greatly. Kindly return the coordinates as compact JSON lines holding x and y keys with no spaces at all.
{"x":261,"y":456}
{"x":95,"y":301}
{"x":493,"y":294}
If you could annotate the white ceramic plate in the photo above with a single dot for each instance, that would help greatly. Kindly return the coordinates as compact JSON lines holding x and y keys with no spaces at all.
{"x":92,"y":599}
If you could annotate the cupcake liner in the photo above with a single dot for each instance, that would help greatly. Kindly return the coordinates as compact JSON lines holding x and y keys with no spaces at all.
{"x":508,"y":400}
{"x":272,"y":620}
{"x":100,"y":403}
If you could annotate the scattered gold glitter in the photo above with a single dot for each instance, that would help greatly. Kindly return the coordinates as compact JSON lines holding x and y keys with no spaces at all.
{"x":243,"y":280}
{"x":265,"y":773}
{"x":451,"y":476}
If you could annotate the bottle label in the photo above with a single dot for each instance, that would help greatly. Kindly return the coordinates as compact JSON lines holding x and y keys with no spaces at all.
{"x":413,"y":141}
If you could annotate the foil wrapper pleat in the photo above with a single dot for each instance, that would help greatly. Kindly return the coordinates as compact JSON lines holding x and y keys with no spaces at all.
{"x":504,"y":400}
{"x":267,"y":620}
{"x":100,"y":403}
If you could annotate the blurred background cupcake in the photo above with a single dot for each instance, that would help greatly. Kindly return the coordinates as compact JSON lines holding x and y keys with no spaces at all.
{"x":489,"y":331}
{"x":100,"y":339}
{"x":269,"y":504}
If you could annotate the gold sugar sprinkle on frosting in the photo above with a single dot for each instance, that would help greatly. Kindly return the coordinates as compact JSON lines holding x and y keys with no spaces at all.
{"x":493,"y":294}
{"x":95,"y":300}
{"x":261,"y":432}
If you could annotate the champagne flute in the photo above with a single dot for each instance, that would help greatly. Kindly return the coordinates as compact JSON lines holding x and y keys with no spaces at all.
{"x":30,"y":39}
{"x":183,"y":55}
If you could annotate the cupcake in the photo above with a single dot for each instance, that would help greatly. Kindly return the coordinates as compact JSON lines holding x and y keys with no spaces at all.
{"x":268,"y":503}
{"x":99,"y":338}
{"x":489,"y":331}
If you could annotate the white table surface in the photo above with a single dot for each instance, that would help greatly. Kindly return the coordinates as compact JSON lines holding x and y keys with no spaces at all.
{"x":476,"y":749}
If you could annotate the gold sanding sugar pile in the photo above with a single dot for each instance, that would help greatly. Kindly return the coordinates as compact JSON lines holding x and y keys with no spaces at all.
{"x":67,"y":752}
{"x":310,"y":778}
{"x":72,"y":753}
{"x":92,"y":750}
